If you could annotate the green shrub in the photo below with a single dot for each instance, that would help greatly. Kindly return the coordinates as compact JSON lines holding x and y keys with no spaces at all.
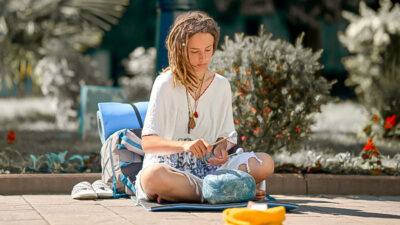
{"x":374,"y":68}
{"x":275,"y":89}
{"x":60,"y":163}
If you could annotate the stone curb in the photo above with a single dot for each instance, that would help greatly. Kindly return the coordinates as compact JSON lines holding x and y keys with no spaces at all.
{"x":352,"y":185}
{"x":287,"y":184}
{"x":316,"y":184}
{"x":294,"y":184}
{"x":16,"y":184}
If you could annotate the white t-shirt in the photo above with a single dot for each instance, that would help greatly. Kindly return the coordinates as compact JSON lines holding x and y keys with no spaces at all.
{"x":168,"y":112}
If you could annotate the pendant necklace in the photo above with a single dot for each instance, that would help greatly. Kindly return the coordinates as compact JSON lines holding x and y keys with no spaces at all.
{"x":193,"y":111}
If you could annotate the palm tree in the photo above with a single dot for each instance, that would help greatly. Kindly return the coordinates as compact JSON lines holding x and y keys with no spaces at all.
{"x":44,"y":40}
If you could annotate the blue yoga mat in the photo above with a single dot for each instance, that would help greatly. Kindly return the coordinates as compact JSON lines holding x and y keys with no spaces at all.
{"x":114,"y":116}
{"x":156,"y":207}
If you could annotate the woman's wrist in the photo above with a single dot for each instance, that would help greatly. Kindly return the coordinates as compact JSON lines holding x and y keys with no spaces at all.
{"x":181,"y":145}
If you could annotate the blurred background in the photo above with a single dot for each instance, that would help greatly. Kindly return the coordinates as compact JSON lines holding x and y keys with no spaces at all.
{"x":59,"y":58}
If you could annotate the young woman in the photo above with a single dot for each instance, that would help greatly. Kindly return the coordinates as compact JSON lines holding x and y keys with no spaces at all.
{"x":190,"y":108}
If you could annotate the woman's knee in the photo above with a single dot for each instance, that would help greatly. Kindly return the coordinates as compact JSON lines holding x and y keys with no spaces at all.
{"x":260,"y":168}
{"x":267,"y":166}
{"x":154,"y":178}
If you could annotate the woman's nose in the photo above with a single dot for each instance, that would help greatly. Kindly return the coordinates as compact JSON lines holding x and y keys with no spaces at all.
{"x":202,"y":54}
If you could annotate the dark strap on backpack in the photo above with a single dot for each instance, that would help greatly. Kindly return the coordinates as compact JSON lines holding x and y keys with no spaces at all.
{"x":139,"y":118}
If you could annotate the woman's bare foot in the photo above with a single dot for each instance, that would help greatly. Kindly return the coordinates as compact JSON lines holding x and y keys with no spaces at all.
{"x":159,"y":200}
{"x":260,"y":195}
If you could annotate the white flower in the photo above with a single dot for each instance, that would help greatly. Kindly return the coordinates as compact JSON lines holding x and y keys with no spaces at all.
{"x":381,"y":38}
{"x":376,"y":23}
{"x":343,"y":161}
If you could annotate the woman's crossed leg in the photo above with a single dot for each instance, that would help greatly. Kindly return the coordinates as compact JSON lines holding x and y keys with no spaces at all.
{"x":160,"y":182}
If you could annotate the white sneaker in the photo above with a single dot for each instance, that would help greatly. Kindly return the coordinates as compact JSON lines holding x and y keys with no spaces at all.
{"x":102,"y":189}
{"x":83,"y":190}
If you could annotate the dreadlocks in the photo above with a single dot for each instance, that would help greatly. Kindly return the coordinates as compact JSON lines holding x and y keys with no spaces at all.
{"x":184,"y":27}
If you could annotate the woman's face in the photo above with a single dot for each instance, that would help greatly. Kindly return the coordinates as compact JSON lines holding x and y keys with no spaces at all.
{"x":200,"y":50}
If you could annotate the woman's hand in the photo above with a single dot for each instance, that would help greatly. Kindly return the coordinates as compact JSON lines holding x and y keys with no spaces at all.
{"x":198,"y":147}
{"x":220,"y":153}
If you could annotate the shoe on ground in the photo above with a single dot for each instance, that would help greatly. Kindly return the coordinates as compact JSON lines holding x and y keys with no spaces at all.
{"x":102,"y":189}
{"x":83,"y":190}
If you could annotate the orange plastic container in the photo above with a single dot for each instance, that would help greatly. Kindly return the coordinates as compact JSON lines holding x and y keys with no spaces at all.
{"x":247,"y":216}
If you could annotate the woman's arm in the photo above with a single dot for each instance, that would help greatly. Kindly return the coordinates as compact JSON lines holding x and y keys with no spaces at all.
{"x":154,"y":144}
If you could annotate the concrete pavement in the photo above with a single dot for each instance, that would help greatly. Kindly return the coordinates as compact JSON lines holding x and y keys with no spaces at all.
{"x":62,"y":209}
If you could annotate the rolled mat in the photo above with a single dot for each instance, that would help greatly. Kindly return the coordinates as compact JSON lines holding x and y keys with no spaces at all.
{"x":188,"y":206}
{"x":114,"y":116}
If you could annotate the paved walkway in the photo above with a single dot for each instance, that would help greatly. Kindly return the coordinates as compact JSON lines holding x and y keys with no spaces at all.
{"x":61,"y":209}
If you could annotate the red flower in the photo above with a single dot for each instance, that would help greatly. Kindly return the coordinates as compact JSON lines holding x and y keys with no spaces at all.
{"x":365,"y":156}
{"x":369,"y":145}
{"x":379,"y":162}
{"x":11,"y":137}
{"x":390,"y":122}
{"x":376,"y":172}
{"x":257,"y":130}
{"x":375,"y":118}
{"x":279,"y":136}
{"x":237,"y":121}
{"x":244,"y":138}
{"x":253,"y":109}
{"x":318,"y":165}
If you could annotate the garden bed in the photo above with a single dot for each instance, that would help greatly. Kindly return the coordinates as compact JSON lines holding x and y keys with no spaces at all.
{"x":335,"y":136}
